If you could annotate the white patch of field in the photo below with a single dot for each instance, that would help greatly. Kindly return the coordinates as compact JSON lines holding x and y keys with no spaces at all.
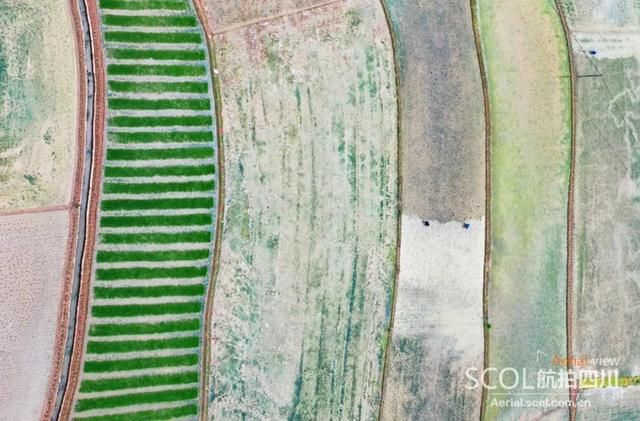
{"x":438,"y":328}
{"x":38,"y":103}
{"x":141,"y":354}
{"x":90,"y":395}
{"x":32,"y":260}
{"x":607,"y":44}
{"x":610,"y":404}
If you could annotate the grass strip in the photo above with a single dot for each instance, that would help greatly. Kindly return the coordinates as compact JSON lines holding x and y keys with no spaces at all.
{"x":159,"y":104}
{"x":157,"y":415}
{"x":94,"y":347}
{"x":161,"y":21}
{"x":143,"y":4}
{"x":140,"y":363}
{"x":143,"y":188}
{"x":144,"y":154}
{"x":150,"y":256}
{"x":128,"y":121}
{"x":174,"y":70}
{"x":131,"y":204}
{"x":136,"y":399}
{"x":149,"y":221}
{"x":153,"y":37}
{"x":150,"y":292}
{"x":120,"y":383}
{"x":157,"y":238}
{"x":149,"y":273}
{"x":143,"y":137}
{"x":159,"y":87}
{"x":144,"y":328}
{"x":133,"y":310}
{"x":111,"y":171}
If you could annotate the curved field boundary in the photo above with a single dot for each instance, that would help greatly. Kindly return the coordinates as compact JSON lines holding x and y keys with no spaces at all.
{"x":487,"y":228}
{"x":84,"y":256}
{"x":207,"y":341}
{"x":152,"y":258}
{"x":76,"y":208}
{"x":573,"y":392}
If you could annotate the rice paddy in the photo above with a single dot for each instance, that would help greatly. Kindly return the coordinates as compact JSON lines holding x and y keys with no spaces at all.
{"x":156,"y":218}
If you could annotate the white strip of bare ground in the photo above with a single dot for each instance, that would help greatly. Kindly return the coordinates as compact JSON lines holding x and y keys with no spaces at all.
{"x":205,"y":144}
{"x":147,"y":319}
{"x":161,"y":129}
{"x":176,"y":352}
{"x":157,"y":229}
{"x":160,"y":179}
{"x":154,"y":196}
{"x":144,"y":300}
{"x":147,"y":337}
{"x":152,"y":29}
{"x":157,"y":96}
{"x":154,"y":283}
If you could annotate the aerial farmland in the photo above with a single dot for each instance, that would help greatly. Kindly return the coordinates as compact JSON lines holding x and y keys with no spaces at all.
{"x":319,"y":210}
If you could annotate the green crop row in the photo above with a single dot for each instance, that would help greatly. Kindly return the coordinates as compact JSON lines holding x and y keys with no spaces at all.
{"x":150,"y":256}
{"x":144,"y":4}
{"x":160,"y":104}
{"x":127,"y":121}
{"x":145,"y":154}
{"x":149,"y":273}
{"x":120,"y":383}
{"x":136,"y":399}
{"x":126,"y":20}
{"x":157,"y":238}
{"x":144,"y":328}
{"x":158,"y":415}
{"x":175,"y":70}
{"x":154,"y":37}
{"x":140,"y":363}
{"x":147,"y":221}
{"x":134,"y":204}
{"x":144,"y":137}
{"x":99,"y":347}
{"x":112,"y":171}
{"x":150,"y":292}
{"x":150,"y":54}
{"x":159,"y":87}
{"x":132,"y":188}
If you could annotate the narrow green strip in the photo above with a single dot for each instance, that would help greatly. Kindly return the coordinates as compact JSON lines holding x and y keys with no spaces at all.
{"x":127,"y":121}
{"x":159,"y":87}
{"x":143,"y":4}
{"x":174,"y":70}
{"x":144,"y":328}
{"x":125,"y":20}
{"x":146,"y":54}
{"x":149,"y":273}
{"x":150,"y":256}
{"x":94,"y":347}
{"x":120,"y":383}
{"x":154,"y":221}
{"x":136,"y":399}
{"x":153,"y":37}
{"x":159,"y":104}
{"x":158,"y":171}
{"x":143,"y":137}
{"x":127,"y":204}
{"x":157,"y":238}
{"x":135,"y":188}
{"x":143,"y":154}
{"x":160,"y":415}
{"x":140,"y":363}
{"x":150,"y":292}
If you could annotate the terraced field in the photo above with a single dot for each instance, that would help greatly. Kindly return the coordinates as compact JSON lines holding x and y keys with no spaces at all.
{"x":156,"y":218}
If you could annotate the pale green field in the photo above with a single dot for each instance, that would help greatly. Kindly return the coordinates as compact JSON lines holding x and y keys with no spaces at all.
{"x":526,"y":59}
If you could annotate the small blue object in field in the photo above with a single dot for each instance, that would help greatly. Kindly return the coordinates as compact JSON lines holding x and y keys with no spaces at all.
{"x":466,"y":225}
{"x":593,"y":52}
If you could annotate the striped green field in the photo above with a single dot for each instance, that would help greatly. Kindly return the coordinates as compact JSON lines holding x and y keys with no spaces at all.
{"x":157,"y":217}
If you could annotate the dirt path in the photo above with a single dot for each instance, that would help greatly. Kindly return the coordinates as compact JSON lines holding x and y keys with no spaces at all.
{"x":394,"y":51}
{"x":207,"y":340}
{"x":91,"y":176}
{"x":75,"y":241}
{"x":573,"y":392}
{"x":54,"y":208}
{"x":487,"y":242}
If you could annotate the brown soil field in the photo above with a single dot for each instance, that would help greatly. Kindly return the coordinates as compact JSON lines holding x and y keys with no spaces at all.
{"x":303,"y":296}
{"x":438,"y":328}
{"x":32,"y":263}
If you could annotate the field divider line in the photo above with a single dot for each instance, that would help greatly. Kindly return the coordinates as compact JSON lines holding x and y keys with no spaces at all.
{"x":55,"y":208}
